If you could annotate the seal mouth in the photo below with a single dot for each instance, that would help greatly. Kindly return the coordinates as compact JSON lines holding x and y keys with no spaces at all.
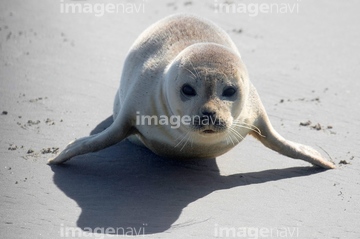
{"x":209,"y":125}
{"x":209,"y":131}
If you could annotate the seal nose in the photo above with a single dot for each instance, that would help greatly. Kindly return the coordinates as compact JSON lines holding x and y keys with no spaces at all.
{"x":209,"y":113}
{"x":208,"y":117}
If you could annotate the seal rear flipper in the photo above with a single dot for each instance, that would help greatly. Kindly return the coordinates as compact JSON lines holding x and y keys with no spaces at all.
{"x":276,"y":142}
{"x":115,"y":133}
{"x":273,"y":140}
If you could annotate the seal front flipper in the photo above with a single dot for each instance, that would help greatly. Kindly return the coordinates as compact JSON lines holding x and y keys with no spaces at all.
{"x":116,"y":132}
{"x":273,"y":140}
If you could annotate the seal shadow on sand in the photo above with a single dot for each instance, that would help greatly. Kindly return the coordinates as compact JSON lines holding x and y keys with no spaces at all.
{"x":127,"y":186}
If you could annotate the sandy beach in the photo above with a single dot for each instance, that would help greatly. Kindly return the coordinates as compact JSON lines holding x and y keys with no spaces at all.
{"x":59,"y":72}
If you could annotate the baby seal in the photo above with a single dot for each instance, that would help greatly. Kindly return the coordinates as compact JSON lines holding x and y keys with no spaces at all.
{"x":185,"y":93}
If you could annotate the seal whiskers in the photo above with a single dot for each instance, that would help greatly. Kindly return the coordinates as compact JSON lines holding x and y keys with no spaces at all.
{"x":183,"y":141}
{"x":192,"y":73}
{"x":237,"y":135}
{"x":248,"y":126}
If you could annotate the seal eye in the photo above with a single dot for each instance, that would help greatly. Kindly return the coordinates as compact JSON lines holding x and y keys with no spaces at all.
{"x":188,"y":90}
{"x":228,"y":92}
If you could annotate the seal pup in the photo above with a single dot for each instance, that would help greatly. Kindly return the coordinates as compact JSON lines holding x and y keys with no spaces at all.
{"x":187,"y":68}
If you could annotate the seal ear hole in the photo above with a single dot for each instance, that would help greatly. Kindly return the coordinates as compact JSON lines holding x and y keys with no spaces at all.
{"x":188,"y":90}
{"x":229,"y":91}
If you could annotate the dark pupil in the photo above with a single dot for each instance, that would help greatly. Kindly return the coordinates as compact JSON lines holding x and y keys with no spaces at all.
{"x":229,"y":92}
{"x":188,"y":90}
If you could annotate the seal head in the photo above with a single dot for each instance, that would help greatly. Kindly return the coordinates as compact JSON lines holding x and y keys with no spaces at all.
{"x":208,"y":83}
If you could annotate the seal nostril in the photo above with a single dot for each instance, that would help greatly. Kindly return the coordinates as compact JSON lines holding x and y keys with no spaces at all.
{"x":208,"y":113}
